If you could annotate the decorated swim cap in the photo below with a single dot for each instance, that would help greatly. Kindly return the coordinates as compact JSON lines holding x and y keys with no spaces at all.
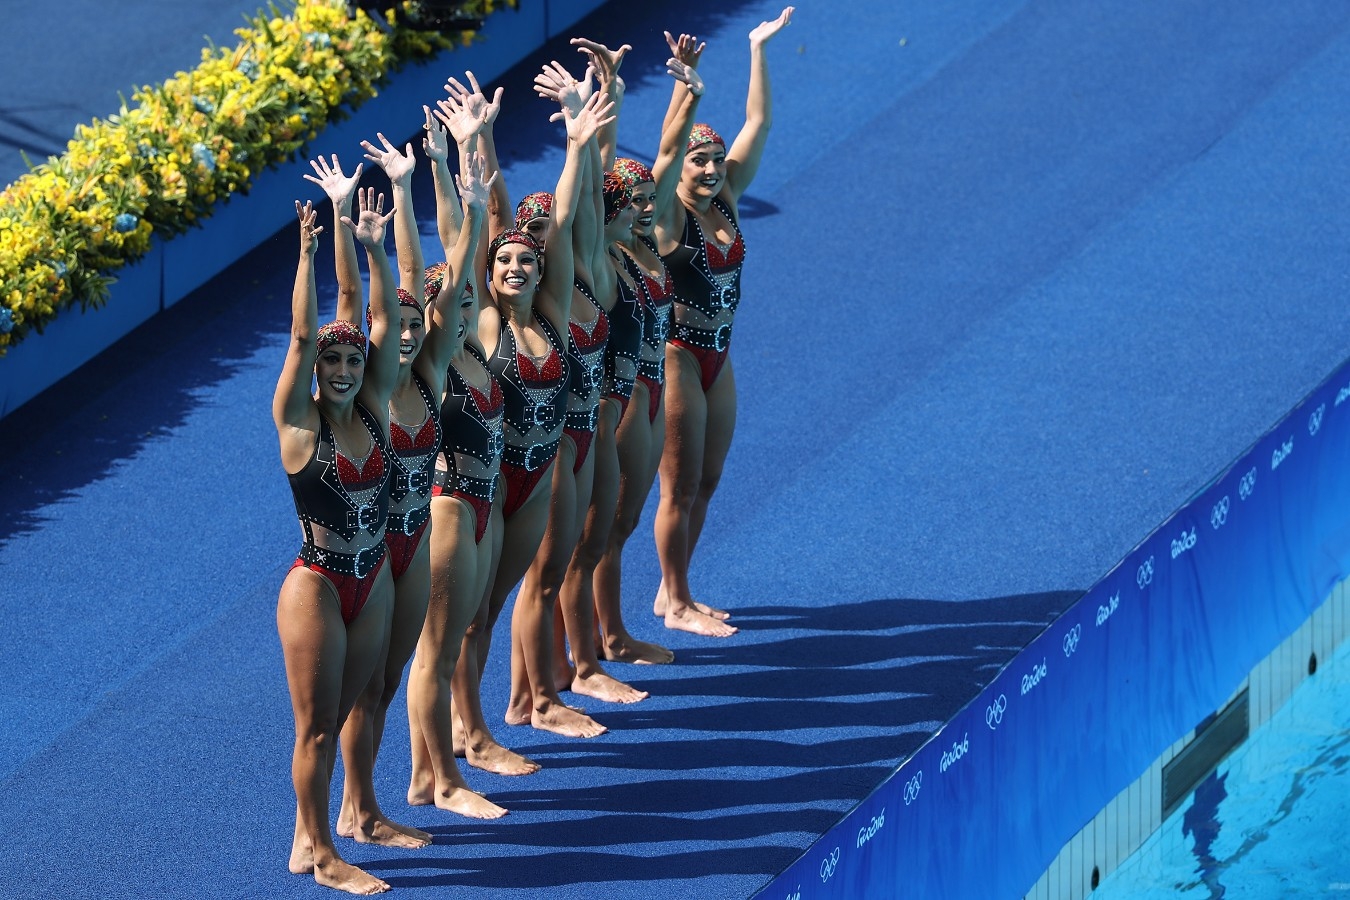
{"x":514,"y":236}
{"x":433,"y":278}
{"x":341,"y":333}
{"x":632,"y":172}
{"x":533,"y":206}
{"x":404,"y":299}
{"x":617,"y":196}
{"x":702,"y":134}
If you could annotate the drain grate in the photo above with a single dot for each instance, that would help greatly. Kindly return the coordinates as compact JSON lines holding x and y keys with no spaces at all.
{"x":1215,"y":738}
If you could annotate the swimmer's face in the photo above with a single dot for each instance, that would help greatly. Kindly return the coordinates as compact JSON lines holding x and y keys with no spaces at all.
{"x":516,"y":269}
{"x":411,"y":334}
{"x":704,"y":170}
{"x":622,"y":226}
{"x":537,"y":228}
{"x":468,"y":308}
{"x":644,"y":198}
{"x":339,"y":371}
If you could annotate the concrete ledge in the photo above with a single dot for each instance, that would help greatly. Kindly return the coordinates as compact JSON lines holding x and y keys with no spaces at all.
{"x":175,"y":268}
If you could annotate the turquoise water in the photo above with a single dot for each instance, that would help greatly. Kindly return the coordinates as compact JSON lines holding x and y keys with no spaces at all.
{"x":1272,"y":821}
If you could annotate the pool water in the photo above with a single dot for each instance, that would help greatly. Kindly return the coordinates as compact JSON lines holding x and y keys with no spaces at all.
{"x":1273,"y":820}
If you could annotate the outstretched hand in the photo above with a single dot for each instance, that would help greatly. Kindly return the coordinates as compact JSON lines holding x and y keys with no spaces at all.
{"x":337,"y":186}
{"x":474,"y":190}
{"x":605,"y":61}
{"x":594,"y":115}
{"x":473,"y":100}
{"x":369,"y":226}
{"x":397,"y":165}
{"x":765,"y":30}
{"x":684,"y":73}
{"x":435,"y":144}
{"x":557,"y":84}
{"x":310,"y":229}
{"x":458,"y":119}
{"x":688,"y":49}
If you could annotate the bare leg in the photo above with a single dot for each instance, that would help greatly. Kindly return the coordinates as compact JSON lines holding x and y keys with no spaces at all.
{"x":327,"y":664}
{"x":360,"y":816}
{"x":577,"y":600}
{"x":638,"y":443}
{"x":458,"y":581}
{"x":516,"y":547}
{"x":689,"y":415}
{"x":534,"y":697}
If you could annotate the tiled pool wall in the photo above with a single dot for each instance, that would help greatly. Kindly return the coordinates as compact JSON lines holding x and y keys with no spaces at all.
{"x":1136,"y":813}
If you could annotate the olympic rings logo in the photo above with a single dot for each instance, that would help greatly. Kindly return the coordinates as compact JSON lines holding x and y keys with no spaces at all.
{"x":1144,"y":577}
{"x":912,"y":787}
{"x":1315,"y":420}
{"x":1071,"y":640}
{"x":1218,"y":516}
{"x":828,"y":865}
{"x":1247,"y":484}
{"x":993,"y":714}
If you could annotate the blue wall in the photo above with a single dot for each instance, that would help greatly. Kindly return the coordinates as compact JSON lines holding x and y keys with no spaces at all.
{"x":1159,"y":643}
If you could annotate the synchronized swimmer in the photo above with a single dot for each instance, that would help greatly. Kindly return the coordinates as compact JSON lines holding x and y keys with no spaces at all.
{"x":495,"y":430}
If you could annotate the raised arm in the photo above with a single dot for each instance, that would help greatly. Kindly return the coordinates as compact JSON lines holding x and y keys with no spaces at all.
{"x":675,"y":136}
{"x":443,"y":312}
{"x":292,"y":404}
{"x":500,"y":214}
{"x":606,"y":62}
{"x":436,"y":145}
{"x":382,"y":362}
{"x":399,"y":166}
{"x":340,"y":190}
{"x":588,"y":229}
{"x":555,"y":294}
{"x":688,"y":50}
{"x":747,"y":149}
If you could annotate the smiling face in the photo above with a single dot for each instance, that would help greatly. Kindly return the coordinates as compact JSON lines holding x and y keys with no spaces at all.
{"x":339,"y":371}
{"x":644,"y":197}
{"x":515,"y":270}
{"x":704,"y":171}
{"x":411,"y":334}
{"x":468,"y":310}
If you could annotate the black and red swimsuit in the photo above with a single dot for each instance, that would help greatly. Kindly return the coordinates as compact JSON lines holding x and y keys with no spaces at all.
{"x":414,"y":460}
{"x":708,"y":282}
{"x":657,"y":298}
{"x":534,"y":392}
{"x":346,"y":497}
{"x":473,"y":431}
{"x":586,"y":356}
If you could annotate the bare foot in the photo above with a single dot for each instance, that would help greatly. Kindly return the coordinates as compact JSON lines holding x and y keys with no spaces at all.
{"x":386,"y":833}
{"x":626,"y":648}
{"x":302,"y":856}
{"x":566,"y":721}
{"x":518,"y":712}
{"x":493,"y":757}
{"x":696,"y":622}
{"x":345,"y":877}
{"x":421,"y":789}
{"x":660,"y":604}
{"x":469,"y":803}
{"x":611,"y":690}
